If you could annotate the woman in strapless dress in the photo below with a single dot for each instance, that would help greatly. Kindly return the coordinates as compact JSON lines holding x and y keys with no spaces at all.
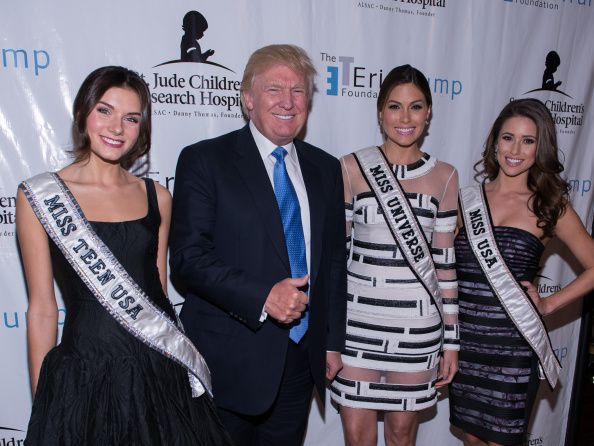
{"x":493,"y":393}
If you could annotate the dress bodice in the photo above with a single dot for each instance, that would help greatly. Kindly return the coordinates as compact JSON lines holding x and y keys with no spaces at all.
{"x":134,"y":244}
{"x":520,"y":249}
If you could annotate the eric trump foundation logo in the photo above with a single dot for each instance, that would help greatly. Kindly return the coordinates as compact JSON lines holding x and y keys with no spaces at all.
{"x":194,"y":86}
{"x":550,"y":4}
{"x":349,"y":78}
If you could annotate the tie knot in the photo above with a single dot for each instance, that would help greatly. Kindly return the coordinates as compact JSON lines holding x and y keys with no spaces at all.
{"x":279,"y":153}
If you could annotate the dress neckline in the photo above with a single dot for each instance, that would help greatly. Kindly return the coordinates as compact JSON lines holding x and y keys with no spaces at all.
{"x":76,"y":203}
{"x":482,"y":186}
{"x":530,"y":234}
{"x":415,"y":169}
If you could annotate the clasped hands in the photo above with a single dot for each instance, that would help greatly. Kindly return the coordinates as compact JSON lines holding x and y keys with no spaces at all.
{"x":286,"y":302}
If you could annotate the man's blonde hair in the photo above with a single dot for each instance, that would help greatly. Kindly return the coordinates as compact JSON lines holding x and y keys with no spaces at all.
{"x":266,"y":57}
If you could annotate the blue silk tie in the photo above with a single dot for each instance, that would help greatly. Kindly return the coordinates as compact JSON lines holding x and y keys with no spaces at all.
{"x":290,"y":212}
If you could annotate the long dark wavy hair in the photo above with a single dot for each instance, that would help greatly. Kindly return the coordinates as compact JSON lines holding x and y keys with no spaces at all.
{"x":89,"y":94}
{"x":550,"y":192}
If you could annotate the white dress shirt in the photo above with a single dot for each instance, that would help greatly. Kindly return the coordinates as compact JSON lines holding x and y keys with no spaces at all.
{"x":266,"y":147}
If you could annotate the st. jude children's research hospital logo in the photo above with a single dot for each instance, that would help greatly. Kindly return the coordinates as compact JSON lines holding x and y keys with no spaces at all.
{"x":7,"y":221}
{"x":567,"y":114}
{"x":350,"y":79}
{"x":546,"y":287}
{"x":425,"y":8}
{"x":194,"y":83}
{"x":533,"y":440}
{"x":10,"y":436}
{"x":7,"y":210}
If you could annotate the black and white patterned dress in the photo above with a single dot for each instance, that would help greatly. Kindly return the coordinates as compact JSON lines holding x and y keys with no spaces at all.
{"x":394,"y":330}
{"x":493,"y":392}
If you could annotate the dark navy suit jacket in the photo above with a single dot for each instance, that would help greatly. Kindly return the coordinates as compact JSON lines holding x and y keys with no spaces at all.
{"x":228,"y":250}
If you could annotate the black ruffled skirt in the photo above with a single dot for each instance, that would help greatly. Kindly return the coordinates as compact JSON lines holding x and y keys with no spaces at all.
{"x":143,"y":399}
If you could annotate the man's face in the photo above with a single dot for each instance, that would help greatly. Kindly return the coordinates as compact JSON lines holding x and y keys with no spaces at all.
{"x":278,"y":103}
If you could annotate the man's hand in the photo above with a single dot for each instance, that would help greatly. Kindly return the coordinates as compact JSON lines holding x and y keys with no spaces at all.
{"x":333,"y":364}
{"x":448,"y":367}
{"x":286,"y":302}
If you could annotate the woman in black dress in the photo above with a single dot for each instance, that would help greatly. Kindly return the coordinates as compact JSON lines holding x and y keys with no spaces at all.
{"x":106,"y":383}
{"x":527,"y":204}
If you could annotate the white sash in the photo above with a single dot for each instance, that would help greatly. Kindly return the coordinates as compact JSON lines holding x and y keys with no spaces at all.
{"x":516,"y":303}
{"x":106,"y":278}
{"x":401,"y":220}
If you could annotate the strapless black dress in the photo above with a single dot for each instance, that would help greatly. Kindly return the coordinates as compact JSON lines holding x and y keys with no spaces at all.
{"x":102,"y":386}
{"x":493,"y":392}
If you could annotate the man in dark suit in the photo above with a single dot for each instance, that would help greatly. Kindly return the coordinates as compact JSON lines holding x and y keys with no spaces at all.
{"x":258,"y":239}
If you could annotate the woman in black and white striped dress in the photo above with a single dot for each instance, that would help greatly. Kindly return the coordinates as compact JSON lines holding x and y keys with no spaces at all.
{"x":399,"y":345}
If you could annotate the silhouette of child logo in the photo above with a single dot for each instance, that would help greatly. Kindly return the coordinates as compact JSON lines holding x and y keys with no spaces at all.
{"x":194,"y":25}
{"x":552,"y":62}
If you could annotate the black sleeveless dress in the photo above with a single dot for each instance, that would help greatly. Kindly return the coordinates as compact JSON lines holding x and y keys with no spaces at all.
{"x":102,"y":386}
{"x":492,"y":394}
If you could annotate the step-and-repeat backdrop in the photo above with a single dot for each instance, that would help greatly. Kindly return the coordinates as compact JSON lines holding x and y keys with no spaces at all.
{"x":477,"y":54}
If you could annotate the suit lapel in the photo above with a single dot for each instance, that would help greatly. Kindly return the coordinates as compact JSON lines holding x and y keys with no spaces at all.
{"x":313,"y":185}
{"x":253,"y":173}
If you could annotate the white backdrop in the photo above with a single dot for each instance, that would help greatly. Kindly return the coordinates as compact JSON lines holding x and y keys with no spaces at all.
{"x":477,"y":55}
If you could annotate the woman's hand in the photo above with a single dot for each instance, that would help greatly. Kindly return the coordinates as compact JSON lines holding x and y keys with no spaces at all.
{"x":448,"y":367}
{"x":539,"y":302}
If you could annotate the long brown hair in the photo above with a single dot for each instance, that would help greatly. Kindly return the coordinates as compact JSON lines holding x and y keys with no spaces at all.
{"x":550,"y":192}
{"x":89,"y":94}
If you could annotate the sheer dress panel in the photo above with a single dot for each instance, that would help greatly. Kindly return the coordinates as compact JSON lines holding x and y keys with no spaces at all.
{"x":395,"y":333}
